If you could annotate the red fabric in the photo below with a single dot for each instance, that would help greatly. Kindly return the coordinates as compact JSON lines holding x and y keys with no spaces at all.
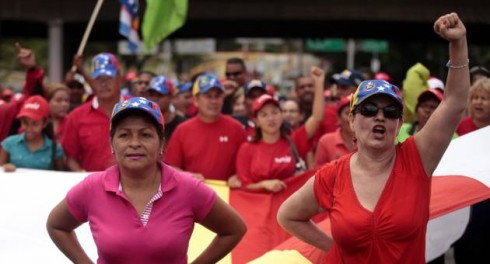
{"x":61,"y":128}
{"x":34,"y":78}
{"x":259,"y":211}
{"x":449,"y":193}
{"x":387,"y":234}
{"x":263,"y":161}
{"x":329,"y":123}
{"x":330,"y":147}
{"x":207,"y":148}
{"x":8,"y":112}
{"x":466,"y":126}
{"x":86,"y":138}
{"x":300,"y":139}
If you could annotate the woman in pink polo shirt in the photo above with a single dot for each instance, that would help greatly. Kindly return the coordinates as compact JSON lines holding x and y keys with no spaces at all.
{"x":141,"y":210}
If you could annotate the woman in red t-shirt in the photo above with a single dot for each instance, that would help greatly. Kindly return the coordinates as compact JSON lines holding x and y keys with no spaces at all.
{"x":265,"y":162}
{"x":378,"y":197}
{"x":479,"y":108}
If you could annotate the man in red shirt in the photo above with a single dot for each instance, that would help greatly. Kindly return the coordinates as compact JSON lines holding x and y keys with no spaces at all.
{"x":86,"y":136}
{"x":206,"y":145}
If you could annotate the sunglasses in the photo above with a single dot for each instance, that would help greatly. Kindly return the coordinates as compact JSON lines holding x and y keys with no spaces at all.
{"x":228,"y":74}
{"x":370,"y":110}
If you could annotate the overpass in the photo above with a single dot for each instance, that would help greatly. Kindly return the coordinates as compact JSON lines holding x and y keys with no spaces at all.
{"x":402,"y":20}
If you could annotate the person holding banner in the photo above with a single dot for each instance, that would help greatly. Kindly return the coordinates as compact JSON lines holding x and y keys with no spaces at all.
{"x":274,"y":154}
{"x":378,"y":197}
{"x":142,"y":210}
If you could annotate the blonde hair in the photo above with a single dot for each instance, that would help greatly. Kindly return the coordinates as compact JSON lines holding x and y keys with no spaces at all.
{"x":52,"y":88}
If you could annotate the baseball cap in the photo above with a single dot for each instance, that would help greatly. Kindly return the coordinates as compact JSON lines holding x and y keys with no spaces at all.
{"x":105,"y":64}
{"x":348,"y":77}
{"x":255,"y":84}
{"x":184,"y":87}
{"x":161,"y":84}
{"x":138,"y":104}
{"x":263,"y":100}
{"x":35,"y":107}
{"x":205,"y":83}
{"x":433,"y":82}
{"x":431,"y":92}
{"x":373,"y":87}
{"x":343,"y":102}
{"x":382,"y":76}
{"x":479,"y":70}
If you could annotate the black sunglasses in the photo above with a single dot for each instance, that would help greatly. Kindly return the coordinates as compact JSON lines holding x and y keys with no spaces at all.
{"x":370,"y":110}
{"x":233,"y":73}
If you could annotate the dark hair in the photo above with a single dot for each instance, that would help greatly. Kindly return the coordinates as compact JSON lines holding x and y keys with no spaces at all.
{"x":236,"y":60}
{"x":135,"y":113}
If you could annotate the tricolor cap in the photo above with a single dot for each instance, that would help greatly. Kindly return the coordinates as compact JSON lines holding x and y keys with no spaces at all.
{"x":263,"y":100}
{"x":348,"y":77}
{"x":35,"y":107}
{"x":206,"y":82}
{"x":105,"y":64}
{"x":161,"y":84}
{"x":184,"y":87}
{"x":255,"y":84}
{"x":373,"y":87}
{"x":138,"y":104}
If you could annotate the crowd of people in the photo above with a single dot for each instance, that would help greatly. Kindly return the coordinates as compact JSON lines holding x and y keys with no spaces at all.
{"x":146,"y":135}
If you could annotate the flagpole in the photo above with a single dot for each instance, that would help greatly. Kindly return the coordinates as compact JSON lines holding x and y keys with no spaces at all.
{"x":90,"y":24}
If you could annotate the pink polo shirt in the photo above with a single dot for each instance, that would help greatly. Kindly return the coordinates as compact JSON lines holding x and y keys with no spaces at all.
{"x":118,"y":232}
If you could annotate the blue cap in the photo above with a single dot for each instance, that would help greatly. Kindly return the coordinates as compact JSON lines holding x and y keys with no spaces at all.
{"x":372,"y":87}
{"x":138,"y":104}
{"x":184,"y":87}
{"x":205,"y":83}
{"x":161,"y":84}
{"x":255,"y":84}
{"x":105,"y":64}
{"x":348,"y":78}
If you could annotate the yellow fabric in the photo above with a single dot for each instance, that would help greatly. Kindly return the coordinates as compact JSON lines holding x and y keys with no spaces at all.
{"x":415,"y":82}
{"x":283,"y":257}
{"x":202,"y":237}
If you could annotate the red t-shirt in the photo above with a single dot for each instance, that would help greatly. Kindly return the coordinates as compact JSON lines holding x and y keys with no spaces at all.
{"x":395,"y":231}
{"x":86,"y":137}
{"x":207,"y":148}
{"x":330,"y":147}
{"x":329,"y":122}
{"x":466,"y":126}
{"x":258,"y":161}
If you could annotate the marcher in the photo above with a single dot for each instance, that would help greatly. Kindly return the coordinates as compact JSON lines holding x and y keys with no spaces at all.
{"x":88,"y":125}
{"x":274,"y":154}
{"x":142,"y":210}
{"x":35,"y":147}
{"x":206,"y":145}
{"x":378,"y":197}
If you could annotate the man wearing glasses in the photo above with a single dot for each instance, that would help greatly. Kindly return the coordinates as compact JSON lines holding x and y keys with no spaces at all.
{"x":236,"y":78}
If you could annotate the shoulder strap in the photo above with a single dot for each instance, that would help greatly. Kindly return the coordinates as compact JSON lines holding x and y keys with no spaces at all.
{"x":300,"y":163}
{"x":53,"y":155}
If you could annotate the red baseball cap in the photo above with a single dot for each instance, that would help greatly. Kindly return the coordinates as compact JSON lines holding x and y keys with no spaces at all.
{"x":431,"y":91}
{"x":344,"y":101}
{"x":263,"y":100}
{"x":35,"y":107}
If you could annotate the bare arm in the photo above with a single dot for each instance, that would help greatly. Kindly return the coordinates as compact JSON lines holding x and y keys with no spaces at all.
{"x":273,"y":185}
{"x":73,"y":164}
{"x":229,"y":228}
{"x":434,"y":138}
{"x":61,"y":225}
{"x":313,"y":122}
{"x":295,"y":213}
{"x":4,"y":157}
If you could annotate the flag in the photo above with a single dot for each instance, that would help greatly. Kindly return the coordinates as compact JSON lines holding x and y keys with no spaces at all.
{"x":129,"y":23}
{"x":162,"y":17}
